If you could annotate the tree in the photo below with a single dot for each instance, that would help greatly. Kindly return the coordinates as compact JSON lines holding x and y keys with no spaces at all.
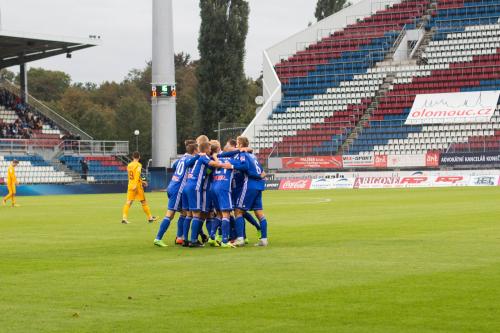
{"x":325,"y":8}
{"x":222,"y":91}
{"x":47,"y":85}
{"x":7,"y":75}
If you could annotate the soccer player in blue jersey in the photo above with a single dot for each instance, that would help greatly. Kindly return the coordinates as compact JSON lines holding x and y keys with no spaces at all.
{"x":194,"y":189}
{"x":221,"y":193}
{"x":174,"y":191}
{"x":250,"y":196}
{"x":237,"y":185}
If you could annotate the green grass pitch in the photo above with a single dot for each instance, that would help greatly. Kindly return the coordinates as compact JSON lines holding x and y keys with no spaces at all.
{"x":424,"y":260}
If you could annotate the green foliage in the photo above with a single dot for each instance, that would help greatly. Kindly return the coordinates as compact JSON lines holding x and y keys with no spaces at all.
{"x":325,"y":8}
{"x":47,"y":85}
{"x":5,"y":74}
{"x":222,"y":92}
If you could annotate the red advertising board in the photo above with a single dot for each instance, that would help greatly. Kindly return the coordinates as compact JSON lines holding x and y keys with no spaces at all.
{"x":295,"y":184}
{"x":380,"y":161}
{"x":312,"y":162}
{"x":432,"y":159}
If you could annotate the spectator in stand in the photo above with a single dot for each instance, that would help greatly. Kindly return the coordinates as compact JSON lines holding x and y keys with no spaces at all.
{"x":85,"y":168}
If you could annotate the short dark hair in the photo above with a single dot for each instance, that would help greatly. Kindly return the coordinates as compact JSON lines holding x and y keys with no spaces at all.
{"x":189,"y":142}
{"x":15,"y":162}
{"x":190,"y":149}
{"x":136,"y":155}
{"x":232,"y":142}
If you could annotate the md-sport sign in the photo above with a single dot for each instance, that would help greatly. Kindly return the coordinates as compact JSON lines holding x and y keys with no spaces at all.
{"x":453,"y":108}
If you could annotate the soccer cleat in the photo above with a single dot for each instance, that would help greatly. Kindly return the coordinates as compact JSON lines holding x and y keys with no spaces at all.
{"x":185,"y":243}
{"x":179,"y":241}
{"x":239,"y":242}
{"x":153,"y":219}
{"x":213,"y":243}
{"x":218,"y":238}
{"x":196,"y":244}
{"x":227,"y":246}
{"x":159,"y":243}
{"x":262,"y":242}
{"x":204,"y":238}
{"x":125,"y":221}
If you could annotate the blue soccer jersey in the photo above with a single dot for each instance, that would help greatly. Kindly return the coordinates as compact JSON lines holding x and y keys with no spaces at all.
{"x":193,"y":191}
{"x":178,"y":181}
{"x":198,"y":172}
{"x":249,"y":195}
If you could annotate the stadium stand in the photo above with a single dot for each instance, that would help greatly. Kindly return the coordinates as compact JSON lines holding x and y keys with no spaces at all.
{"x":101,"y":168}
{"x":343,"y":95}
{"x":34,"y":170}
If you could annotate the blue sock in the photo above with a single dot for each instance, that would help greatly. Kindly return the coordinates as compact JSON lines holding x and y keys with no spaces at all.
{"x":195,"y":229}
{"x":163,"y":228}
{"x":263,"y":225}
{"x":240,"y":226}
{"x":251,"y":220}
{"x":185,"y":228}
{"x":180,"y":226}
{"x":215,"y":226}
{"x":232,"y":230}
{"x":225,"y":230}
{"x":208,"y":225}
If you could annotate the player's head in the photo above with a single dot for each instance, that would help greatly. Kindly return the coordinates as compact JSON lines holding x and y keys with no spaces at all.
{"x":214,"y":147}
{"x":192,"y":148}
{"x":15,"y":163}
{"x":230,"y":145}
{"x":136,"y":155}
{"x":201,"y":139}
{"x":242,"y":142}
{"x":189,"y":142}
{"x":204,"y":148}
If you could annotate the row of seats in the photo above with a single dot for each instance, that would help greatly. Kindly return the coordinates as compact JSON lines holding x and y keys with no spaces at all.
{"x":33,"y":169}
{"x":100,"y":168}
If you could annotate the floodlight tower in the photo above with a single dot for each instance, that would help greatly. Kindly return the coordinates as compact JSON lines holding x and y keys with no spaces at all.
{"x":163,"y":91}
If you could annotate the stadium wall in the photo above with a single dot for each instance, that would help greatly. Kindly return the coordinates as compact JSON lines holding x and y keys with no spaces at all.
{"x":299,"y":42}
{"x":387,"y":179}
{"x":37,"y":190}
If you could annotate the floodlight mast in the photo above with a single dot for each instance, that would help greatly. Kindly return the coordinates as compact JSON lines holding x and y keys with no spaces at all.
{"x":164,"y":126}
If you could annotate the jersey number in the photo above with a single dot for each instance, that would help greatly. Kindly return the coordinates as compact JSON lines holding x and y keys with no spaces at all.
{"x":180,"y":169}
{"x":131,"y":175}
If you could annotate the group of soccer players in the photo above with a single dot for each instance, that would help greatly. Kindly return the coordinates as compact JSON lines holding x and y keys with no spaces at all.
{"x":212,"y":186}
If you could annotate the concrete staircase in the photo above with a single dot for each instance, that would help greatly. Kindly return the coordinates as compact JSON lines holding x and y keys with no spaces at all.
{"x":77,"y":179}
{"x":384,"y":88}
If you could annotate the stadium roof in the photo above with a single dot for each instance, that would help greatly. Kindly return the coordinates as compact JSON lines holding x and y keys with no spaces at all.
{"x":17,"y":47}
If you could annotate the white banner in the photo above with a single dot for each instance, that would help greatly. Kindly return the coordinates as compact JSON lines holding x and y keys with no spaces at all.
{"x":453,"y":108}
{"x":395,"y":161}
{"x":358,"y":161}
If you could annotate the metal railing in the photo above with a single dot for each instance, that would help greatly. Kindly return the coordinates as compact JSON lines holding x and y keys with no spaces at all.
{"x":26,"y":145}
{"x":47,"y":111}
{"x":91,"y":147}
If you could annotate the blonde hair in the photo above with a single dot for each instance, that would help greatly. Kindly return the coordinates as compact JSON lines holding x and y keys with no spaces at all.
{"x":215,"y":146}
{"x":243,"y":141}
{"x":201,"y":139}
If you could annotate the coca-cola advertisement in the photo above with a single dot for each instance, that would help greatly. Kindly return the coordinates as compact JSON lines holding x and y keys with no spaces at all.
{"x":295,"y":184}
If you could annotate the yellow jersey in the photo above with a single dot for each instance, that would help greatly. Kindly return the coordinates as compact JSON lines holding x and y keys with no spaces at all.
{"x":11,"y":176}
{"x":134,"y":175}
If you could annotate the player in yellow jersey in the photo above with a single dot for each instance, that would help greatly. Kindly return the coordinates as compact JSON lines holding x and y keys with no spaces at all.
{"x":11,"y":184}
{"x":136,"y":189}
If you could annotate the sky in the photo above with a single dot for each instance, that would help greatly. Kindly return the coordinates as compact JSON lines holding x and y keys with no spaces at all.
{"x":125,"y":30}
